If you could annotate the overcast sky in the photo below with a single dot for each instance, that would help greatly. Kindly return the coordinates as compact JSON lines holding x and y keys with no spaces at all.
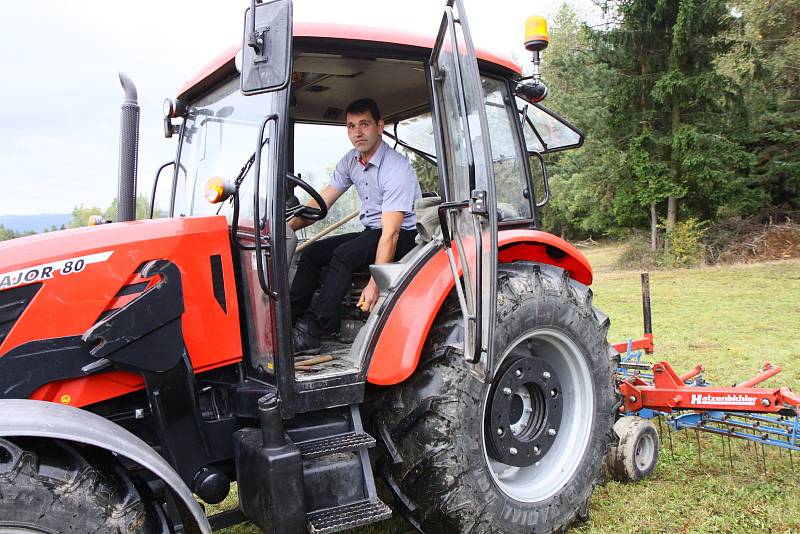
{"x":60,"y":95}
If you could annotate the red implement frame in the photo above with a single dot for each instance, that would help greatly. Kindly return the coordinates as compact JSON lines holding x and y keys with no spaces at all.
{"x":668,"y":392}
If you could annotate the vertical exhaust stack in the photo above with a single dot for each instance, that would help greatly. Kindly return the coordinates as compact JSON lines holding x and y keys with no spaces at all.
{"x":128,"y":151}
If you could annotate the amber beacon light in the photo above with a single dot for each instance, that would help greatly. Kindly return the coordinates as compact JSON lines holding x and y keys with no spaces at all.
{"x":536,"y":36}
{"x":532,"y":88}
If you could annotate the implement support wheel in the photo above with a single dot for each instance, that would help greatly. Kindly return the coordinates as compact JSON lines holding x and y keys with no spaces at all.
{"x":636,"y":455}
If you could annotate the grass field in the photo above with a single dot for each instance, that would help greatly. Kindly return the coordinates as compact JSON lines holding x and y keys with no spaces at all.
{"x":732,"y":319}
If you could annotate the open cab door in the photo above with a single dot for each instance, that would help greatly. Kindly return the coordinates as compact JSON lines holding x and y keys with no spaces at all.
{"x":468,"y":213}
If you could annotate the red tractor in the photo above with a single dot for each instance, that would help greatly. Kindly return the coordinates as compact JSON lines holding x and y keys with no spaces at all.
{"x":142,"y":362}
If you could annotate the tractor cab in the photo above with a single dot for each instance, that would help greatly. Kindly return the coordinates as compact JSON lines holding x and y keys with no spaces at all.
{"x":460,"y":117}
{"x":163,"y":350}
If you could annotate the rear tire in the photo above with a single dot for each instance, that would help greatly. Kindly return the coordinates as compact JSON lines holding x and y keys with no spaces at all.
{"x":47,"y":486}
{"x":448,"y":465}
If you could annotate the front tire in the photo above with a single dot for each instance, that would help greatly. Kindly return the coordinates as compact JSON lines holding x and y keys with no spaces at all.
{"x":460,"y":478}
{"x":48,"y":486}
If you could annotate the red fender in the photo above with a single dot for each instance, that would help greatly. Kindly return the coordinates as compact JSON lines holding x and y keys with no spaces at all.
{"x":398,"y":349}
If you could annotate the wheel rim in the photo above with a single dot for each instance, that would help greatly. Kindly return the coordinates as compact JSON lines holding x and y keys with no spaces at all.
{"x":545,"y":477}
{"x":645,"y":449}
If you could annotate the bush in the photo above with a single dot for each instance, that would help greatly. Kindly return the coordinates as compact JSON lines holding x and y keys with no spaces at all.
{"x":685,"y":244}
{"x":636,"y":255}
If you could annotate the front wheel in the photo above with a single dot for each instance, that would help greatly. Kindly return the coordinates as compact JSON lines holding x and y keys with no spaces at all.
{"x":48,"y":486}
{"x":523,"y":453}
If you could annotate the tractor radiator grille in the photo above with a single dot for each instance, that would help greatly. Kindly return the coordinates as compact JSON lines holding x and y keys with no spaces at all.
{"x":12,"y":303}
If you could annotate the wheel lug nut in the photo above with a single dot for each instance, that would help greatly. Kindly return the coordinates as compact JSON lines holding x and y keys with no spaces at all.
{"x":507,"y":391}
{"x":499,"y":431}
{"x":536,"y":449}
{"x":546,"y":375}
{"x":551,"y":432}
{"x":513,"y":451}
{"x":518,"y":373}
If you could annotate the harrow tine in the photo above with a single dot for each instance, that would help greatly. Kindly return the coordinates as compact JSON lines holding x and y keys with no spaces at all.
{"x":671,"y":447}
{"x":699,"y":448}
{"x":730,"y":453}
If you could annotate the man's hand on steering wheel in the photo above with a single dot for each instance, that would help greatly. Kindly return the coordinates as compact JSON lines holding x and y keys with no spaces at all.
{"x":310,"y":213}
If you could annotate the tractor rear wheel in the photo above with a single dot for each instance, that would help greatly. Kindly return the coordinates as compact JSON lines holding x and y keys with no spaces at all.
{"x":47,"y":486}
{"x":523,"y":453}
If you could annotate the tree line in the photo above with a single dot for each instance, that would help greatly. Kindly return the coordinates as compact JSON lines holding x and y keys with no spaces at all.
{"x":691,"y":110}
{"x":81,"y":215}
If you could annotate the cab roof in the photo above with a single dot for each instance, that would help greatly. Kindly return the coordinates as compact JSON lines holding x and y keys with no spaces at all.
{"x":346,"y":36}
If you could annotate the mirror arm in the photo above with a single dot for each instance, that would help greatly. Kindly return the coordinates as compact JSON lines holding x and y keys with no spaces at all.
{"x":254,"y":41}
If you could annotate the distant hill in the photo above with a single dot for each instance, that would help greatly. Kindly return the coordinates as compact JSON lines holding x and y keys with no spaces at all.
{"x":35,"y":223}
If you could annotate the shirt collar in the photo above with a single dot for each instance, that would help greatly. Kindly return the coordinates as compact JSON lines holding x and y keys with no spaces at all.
{"x":377,"y":157}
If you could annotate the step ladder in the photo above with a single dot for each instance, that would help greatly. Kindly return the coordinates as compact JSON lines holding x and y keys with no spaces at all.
{"x":369,"y":509}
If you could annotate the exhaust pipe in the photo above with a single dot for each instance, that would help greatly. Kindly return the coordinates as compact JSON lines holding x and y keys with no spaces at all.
{"x":128,"y":151}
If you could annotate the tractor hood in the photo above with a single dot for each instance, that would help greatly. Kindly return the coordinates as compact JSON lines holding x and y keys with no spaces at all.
{"x":57,"y":285}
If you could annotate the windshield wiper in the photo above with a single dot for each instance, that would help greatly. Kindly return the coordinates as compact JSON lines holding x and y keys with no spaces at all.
{"x":430,"y":158}
{"x":242,"y":173}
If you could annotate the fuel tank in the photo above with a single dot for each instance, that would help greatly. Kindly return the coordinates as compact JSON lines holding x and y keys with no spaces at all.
{"x":56,"y":286}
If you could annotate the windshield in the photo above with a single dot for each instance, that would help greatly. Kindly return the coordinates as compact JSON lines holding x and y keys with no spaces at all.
{"x":219,"y":137}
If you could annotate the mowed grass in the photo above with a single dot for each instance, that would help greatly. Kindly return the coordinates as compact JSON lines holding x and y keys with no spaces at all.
{"x":732,"y":319}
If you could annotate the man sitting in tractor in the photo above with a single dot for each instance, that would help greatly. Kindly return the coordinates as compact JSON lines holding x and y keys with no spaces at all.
{"x":387,"y":187}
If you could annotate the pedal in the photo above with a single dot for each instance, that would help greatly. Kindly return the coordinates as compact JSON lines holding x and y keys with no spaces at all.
{"x":349,"y":441}
{"x":347,"y":516}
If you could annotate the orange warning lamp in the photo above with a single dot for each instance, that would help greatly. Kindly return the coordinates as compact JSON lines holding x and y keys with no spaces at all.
{"x":532,"y":88}
{"x":536,"y":36}
{"x":218,"y":189}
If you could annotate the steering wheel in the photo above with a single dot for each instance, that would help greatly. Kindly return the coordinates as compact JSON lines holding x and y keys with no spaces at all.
{"x":307,"y":212}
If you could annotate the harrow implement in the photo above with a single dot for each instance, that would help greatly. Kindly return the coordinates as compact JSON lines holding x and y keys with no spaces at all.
{"x":766,"y":416}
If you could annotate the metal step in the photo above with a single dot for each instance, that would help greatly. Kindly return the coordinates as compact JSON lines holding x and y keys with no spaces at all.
{"x":339,"y":443}
{"x":347,"y":516}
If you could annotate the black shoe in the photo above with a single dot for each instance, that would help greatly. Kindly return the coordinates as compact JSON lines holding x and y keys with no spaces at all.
{"x":303,"y":341}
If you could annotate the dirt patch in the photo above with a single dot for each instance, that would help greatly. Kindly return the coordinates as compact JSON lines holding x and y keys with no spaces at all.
{"x":703,"y":345}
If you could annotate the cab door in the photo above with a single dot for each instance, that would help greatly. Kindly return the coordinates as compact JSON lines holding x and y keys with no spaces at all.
{"x":468,"y":213}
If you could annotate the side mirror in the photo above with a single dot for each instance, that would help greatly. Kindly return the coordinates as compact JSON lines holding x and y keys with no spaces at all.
{"x":531,"y":92}
{"x":266,"y":47}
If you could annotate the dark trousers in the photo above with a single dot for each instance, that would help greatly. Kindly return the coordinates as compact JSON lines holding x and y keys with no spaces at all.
{"x":329,"y":264}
